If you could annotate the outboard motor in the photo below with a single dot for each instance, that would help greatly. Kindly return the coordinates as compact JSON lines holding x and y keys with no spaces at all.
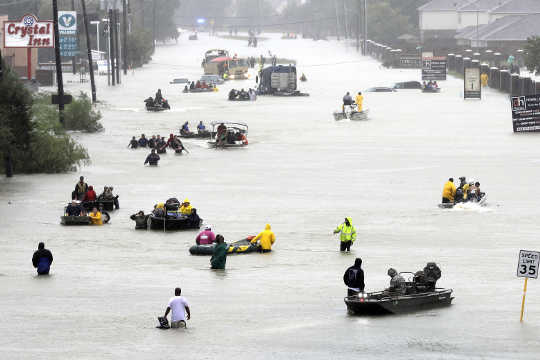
{"x":432,"y":273}
{"x":172,"y":204}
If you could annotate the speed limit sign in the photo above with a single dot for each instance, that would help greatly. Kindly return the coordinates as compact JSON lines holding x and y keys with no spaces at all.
{"x":528,"y":264}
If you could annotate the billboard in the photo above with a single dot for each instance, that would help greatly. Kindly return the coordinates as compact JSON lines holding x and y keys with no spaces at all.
{"x":433,"y":67}
{"x":472,"y":85}
{"x":28,"y":32}
{"x":410,"y":62}
{"x":67,"y":27}
{"x":67,"y":22}
{"x":526,"y":113}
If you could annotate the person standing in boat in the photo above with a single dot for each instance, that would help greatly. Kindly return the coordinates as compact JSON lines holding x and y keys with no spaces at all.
{"x":347,"y":100}
{"x":219,"y":258}
{"x":449,"y":192}
{"x":348,"y":234}
{"x":159,"y":98}
{"x":359,"y":101}
{"x":80,"y":189}
{"x":354,"y":278}
{"x":152,"y":158}
{"x":90,"y":195}
{"x":42,"y":260}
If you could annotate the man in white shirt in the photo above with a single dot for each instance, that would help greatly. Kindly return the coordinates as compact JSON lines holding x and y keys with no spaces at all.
{"x":180,"y":307}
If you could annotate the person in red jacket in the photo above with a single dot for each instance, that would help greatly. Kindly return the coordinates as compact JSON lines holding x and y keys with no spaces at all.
{"x":90,"y":194}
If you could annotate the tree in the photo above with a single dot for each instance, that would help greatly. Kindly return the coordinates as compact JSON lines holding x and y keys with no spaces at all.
{"x":532,"y":54}
{"x":15,"y":117}
{"x":33,"y":142}
{"x":385,"y":23}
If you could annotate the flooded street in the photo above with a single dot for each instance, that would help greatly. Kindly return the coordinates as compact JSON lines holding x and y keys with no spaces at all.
{"x":302,"y":173}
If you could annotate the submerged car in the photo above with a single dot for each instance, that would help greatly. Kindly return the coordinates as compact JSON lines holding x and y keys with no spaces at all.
{"x":408,"y":85}
{"x":212,"y":79}
{"x":381,"y":89}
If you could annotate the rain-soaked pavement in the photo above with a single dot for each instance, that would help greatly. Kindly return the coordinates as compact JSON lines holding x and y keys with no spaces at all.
{"x":302,"y":173}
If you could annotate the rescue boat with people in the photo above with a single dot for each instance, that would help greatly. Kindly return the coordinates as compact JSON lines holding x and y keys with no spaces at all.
{"x":482,"y":202}
{"x":234,"y":135}
{"x":414,"y":297}
{"x":351,"y":114}
{"x":243,"y":246}
{"x":170,"y":218}
{"x":381,"y":302}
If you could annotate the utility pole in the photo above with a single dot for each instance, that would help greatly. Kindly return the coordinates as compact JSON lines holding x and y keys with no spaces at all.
{"x":89,"y":49}
{"x":154,"y":26}
{"x":74,"y":58}
{"x":112,"y":25}
{"x":117,"y":44}
{"x":337,"y":20}
{"x":59,"y":79}
{"x":124,"y":36}
{"x":358,"y":9}
{"x":365,"y":28}
{"x":346,"y":20}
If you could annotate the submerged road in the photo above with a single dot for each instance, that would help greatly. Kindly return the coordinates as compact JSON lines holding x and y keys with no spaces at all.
{"x":302,"y":173}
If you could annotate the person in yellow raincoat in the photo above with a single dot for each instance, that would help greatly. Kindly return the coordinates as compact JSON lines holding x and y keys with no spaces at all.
{"x":186,"y":207}
{"x":484,"y":79}
{"x":95,"y":216}
{"x":348,"y":234}
{"x":359,"y":102}
{"x":266,"y":239}
{"x":449,"y":192}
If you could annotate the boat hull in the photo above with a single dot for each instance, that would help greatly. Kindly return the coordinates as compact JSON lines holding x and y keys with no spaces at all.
{"x":183,"y":223}
{"x":380,"y":303}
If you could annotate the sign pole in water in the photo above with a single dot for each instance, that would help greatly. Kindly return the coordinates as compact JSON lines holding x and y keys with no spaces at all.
{"x":528,"y":262}
{"x":523,"y":300}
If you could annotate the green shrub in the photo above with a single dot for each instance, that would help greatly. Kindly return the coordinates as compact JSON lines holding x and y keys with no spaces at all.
{"x":79,"y":115}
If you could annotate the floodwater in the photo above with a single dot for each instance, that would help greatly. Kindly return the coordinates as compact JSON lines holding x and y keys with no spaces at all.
{"x":302,"y":173}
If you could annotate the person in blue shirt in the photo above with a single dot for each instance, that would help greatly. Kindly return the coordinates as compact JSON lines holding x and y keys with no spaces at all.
{"x":185,"y":127}
{"x":42,"y":260}
{"x":143,"y":141}
{"x":201,"y":127}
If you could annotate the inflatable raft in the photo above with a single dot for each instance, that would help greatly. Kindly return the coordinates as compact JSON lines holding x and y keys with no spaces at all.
{"x":238,"y":247}
{"x":174,"y":223}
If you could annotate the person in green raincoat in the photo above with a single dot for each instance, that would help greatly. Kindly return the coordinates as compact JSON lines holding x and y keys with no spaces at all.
{"x":219,"y":258}
{"x":348,"y":234}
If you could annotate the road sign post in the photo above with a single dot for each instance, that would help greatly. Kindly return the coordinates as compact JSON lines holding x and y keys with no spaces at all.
{"x":528,"y":263}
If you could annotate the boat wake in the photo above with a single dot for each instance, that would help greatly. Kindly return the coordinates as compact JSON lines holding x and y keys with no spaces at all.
{"x":469,"y":206}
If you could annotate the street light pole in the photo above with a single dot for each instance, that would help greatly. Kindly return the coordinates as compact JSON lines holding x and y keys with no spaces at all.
{"x":97,"y":33}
